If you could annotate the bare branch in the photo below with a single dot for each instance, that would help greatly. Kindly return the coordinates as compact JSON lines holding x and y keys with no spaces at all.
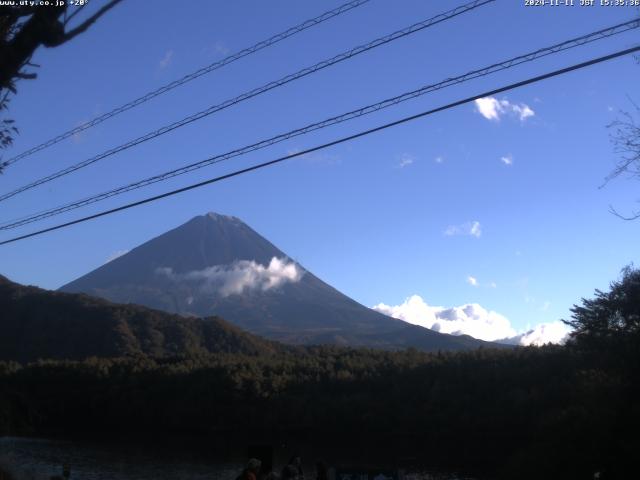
{"x":3,"y":100}
{"x":634,"y":215}
{"x":89,"y":21}
{"x":24,"y":29}
{"x":75,"y":12}
{"x":26,"y":76}
{"x":626,"y":140}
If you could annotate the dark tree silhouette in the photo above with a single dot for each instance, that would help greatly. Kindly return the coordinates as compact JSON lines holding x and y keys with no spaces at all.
{"x":610,"y":315}
{"x":7,"y":129}
{"x":23,"y":29}
{"x":125,"y":369}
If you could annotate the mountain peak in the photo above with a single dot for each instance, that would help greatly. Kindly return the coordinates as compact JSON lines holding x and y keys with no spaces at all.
{"x":220,"y":217}
{"x":217,"y":265}
{"x":205,"y":241}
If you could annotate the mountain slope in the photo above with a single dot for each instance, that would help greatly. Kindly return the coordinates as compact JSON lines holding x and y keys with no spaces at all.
{"x":218,"y":265}
{"x":36,"y":323}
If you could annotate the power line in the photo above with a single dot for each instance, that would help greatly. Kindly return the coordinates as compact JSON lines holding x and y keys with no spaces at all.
{"x":528,"y":57}
{"x":255,"y":92}
{"x":312,"y":22}
{"x":332,"y":143}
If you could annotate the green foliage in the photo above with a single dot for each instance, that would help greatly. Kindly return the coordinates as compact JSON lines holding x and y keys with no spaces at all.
{"x":39,"y":324}
{"x":473,"y":409}
{"x":609,"y":315}
{"x":607,"y":328}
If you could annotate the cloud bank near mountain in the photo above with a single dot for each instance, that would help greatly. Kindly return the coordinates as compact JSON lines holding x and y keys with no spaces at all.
{"x":552,"y":332}
{"x":239,"y":276}
{"x":472,"y":319}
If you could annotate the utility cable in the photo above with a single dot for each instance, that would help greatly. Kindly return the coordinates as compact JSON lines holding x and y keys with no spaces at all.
{"x":312,"y":22}
{"x":236,"y":173}
{"x":528,"y":57}
{"x":255,"y":92}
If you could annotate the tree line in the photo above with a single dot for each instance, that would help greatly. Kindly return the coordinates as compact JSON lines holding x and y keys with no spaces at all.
{"x":549,"y":412}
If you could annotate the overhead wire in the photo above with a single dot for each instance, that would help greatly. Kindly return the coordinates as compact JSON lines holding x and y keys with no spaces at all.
{"x":341,"y":140}
{"x":371,"y":108}
{"x":416,"y":27}
{"x":191,"y":76}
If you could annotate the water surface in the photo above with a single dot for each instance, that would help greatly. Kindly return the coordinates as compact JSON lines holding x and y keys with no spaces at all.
{"x":39,"y":459}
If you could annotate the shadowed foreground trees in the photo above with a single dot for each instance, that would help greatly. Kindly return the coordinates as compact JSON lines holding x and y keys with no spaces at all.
{"x":477,"y":410}
{"x":607,"y":327}
{"x":493,"y":411}
{"x":551,"y":412}
{"x":610,"y":315}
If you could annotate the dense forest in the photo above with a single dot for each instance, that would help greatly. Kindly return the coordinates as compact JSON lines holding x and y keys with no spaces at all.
{"x":550,"y":412}
{"x":41,"y":324}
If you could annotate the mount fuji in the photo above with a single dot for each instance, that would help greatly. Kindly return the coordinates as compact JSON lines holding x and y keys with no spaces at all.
{"x":217,"y":265}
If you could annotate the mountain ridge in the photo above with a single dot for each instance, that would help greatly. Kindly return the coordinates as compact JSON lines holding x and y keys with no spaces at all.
{"x":43,"y":324}
{"x":181,"y":271}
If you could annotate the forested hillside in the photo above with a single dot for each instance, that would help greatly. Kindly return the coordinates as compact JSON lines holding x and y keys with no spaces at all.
{"x":36,"y":323}
{"x":550,"y":412}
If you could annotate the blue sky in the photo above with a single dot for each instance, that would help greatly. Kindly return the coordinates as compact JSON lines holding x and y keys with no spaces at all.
{"x":381,"y":218}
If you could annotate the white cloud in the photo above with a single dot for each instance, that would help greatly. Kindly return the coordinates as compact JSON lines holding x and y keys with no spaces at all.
{"x":239,"y":276}
{"x":470,"y":319}
{"x":553,"y":332}
{"x":507,"y":159}
{"x":523,"y":111}
{"x":474,"y":320}
{"x":473,"y":229}
{"x":166,"y":60}
{"x":78,"y":137}
{"x":116,"y":254}
{"x":220,"y":48}
{"x":319,"y":158}
{"x":474,"y":282}
{"x":406,"y":159}
{"x":439,"y":159}
{"x":493,"y":109}
{"x":489,"y":108}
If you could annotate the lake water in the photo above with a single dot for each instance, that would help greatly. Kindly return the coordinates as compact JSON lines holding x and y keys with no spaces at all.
{"x":39,"y":459}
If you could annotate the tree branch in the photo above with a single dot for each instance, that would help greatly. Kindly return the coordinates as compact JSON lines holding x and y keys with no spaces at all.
{"x":88,"y":22}
{"x":26,"y":76}
{"x":634,"y":216}
{"x":78,"y":10}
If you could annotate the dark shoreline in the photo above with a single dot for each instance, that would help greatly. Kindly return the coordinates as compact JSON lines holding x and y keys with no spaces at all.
{"x":375,"y":453}
{"x":200,"y":452}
